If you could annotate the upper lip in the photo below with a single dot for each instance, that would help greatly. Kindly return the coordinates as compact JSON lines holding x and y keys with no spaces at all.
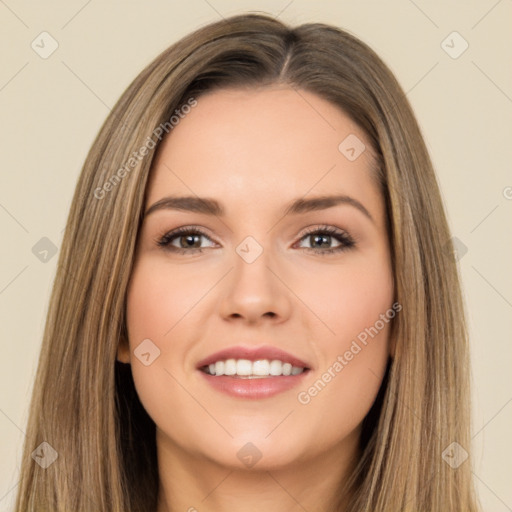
{"x":253,"y":354}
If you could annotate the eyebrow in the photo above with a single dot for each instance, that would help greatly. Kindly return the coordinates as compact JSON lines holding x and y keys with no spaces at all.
{"x":209,"y":206}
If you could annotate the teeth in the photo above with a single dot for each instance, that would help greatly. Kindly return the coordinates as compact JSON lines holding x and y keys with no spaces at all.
{"x":230,"y":367}
{"x":252,"y":369}
{"x":219,"y":368}
{"x":296,"y":370}
{"x":243,"y":367}
{"x":261,"y":367}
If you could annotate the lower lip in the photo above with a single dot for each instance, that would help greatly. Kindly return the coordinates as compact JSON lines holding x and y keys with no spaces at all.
{"x":253,"y":389}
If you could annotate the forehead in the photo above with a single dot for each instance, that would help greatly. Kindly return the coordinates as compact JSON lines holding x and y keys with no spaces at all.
{"x":264,"y":146}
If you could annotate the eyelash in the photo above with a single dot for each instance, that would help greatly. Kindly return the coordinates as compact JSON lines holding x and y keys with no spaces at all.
{"x":347,"y":242}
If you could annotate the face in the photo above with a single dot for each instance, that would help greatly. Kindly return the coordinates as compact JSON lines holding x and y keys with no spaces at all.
{"x":313,"y":280}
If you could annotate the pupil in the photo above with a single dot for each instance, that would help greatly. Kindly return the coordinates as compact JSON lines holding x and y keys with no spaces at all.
{"x":321,"y":237}
{"x":189,"y":238}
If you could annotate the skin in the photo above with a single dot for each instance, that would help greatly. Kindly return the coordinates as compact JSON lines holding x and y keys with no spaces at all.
{"x":256,"y":150}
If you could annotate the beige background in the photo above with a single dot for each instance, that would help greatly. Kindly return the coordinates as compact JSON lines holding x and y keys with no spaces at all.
{"x":51,"y":109}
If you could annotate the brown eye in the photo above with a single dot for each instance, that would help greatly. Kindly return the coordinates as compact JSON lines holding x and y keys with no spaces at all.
{"x":188,"y":239}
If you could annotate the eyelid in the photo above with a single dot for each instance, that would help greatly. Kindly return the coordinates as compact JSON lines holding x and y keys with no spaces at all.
{"x":321,"y":227}
{"x":345,"y":240}
{"x":178,"y":231}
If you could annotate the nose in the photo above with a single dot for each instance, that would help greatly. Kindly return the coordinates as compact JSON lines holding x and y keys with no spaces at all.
{"x":255,"y":292}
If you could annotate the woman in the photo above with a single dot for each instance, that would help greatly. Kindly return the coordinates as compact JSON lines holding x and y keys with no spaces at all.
{"x":313,"y":354}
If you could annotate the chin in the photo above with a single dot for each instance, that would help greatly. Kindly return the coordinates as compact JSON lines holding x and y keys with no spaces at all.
{"x":256,"y":453}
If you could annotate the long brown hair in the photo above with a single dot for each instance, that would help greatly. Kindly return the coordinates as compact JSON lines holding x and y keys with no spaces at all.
{"x":84,"y":404}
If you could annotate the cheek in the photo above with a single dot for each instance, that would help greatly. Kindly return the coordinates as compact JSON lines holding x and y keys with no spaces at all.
{"x":349,"y":380}
{"x":153,"y":310}
{"x":355,"y":304}
{"x":148,"y":309}
{"x":163,"y":305}
{"x":159,"y":298}
{"x":350,"y":299}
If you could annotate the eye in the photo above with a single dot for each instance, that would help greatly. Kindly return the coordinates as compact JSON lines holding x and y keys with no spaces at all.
{"x":320,"y":239}
{"x":187,"y":238}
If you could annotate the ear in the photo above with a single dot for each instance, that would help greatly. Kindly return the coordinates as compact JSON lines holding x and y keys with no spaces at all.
{"x":123,"y":350}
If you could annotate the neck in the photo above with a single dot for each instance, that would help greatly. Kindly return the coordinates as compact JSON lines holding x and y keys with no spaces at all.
{"x":196,"y":484}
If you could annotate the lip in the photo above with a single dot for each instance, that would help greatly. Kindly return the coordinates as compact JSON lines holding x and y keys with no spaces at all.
{"x":253,"y":389}
{"x":253,"y":354}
